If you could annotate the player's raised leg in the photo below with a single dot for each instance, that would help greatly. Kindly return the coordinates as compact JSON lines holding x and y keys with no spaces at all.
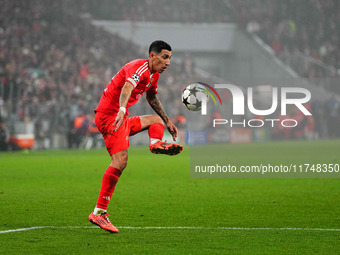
{"x":155,"y":127}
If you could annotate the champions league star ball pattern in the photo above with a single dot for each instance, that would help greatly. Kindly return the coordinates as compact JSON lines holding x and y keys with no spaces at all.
{"x":192,"y":96}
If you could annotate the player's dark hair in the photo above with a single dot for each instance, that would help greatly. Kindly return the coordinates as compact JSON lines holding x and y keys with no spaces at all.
{"x":158,"y":46}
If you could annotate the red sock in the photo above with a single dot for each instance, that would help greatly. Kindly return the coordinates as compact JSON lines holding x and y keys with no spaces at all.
{"x":156,"y":131}
{"x":109,"y":182}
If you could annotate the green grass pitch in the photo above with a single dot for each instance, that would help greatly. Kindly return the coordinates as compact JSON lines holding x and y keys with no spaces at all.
{"x":232,"y":216}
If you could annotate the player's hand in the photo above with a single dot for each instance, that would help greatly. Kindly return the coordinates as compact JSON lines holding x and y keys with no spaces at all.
{"x":172,"y":129}
{"x":118,"y":121}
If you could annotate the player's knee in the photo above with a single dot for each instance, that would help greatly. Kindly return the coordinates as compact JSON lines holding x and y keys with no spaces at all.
{"x":157,"y":119}
{"x":119,"y":160}
{"x":121,"y":164}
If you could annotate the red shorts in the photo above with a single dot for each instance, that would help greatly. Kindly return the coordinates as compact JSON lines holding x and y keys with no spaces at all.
{"x":117,"y":141}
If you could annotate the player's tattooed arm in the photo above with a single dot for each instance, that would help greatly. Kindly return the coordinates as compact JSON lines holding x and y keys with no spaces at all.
{"x":156,"y":105}
{"x":123,"y":100}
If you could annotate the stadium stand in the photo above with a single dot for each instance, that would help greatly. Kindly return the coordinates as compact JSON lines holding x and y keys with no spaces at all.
{"x":304,"y":34}
{"x":185,"y":11}
{"x":54,"y":64}
{"x":306,"y":40}
{"x":49,"y":72}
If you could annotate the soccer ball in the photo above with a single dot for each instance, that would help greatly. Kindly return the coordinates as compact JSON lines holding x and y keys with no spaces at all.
{"x":192,"y":96}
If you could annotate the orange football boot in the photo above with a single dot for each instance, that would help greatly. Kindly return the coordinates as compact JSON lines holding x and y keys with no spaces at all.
{"x":165,"y":148}
{"x":103,"y":222}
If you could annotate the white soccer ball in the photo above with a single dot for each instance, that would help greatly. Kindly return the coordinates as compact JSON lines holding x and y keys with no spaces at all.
{"x":192,"y":96}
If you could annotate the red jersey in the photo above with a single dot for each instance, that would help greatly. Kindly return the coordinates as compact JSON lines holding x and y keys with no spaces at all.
{"x":137,"y":73}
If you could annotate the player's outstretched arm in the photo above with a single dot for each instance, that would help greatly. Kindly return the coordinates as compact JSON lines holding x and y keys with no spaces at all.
{"x":123,"y":100}
{"x":156,"y":105}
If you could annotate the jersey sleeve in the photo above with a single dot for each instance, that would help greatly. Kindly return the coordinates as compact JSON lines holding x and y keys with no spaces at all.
{"x":134,"y":73}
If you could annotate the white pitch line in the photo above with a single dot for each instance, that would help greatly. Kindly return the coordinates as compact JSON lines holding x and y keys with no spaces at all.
{"x":19,"y":229}
{"x":203,"y":228}
{"x":236,"y":228}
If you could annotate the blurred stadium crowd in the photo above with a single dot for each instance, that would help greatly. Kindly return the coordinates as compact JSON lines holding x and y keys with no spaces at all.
{"x":156,"y":11}
{"x":54,"y":64}
{"x":302,"y":33}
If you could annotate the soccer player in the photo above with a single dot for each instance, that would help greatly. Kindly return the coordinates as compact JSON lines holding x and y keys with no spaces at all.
{"x":124,"y":90}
